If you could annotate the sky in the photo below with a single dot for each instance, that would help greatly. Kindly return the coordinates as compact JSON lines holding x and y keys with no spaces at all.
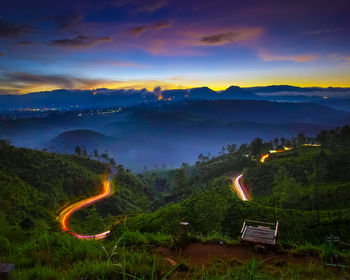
{"x":85,"y":44}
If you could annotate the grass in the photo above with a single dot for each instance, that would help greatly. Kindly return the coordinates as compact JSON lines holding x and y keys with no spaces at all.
{"x":57,"y":256}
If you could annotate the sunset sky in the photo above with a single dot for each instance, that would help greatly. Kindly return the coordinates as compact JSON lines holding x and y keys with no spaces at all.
{"x":84,"y":44}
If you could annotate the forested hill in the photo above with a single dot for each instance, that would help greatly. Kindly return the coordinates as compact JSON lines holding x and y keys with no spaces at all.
{"x":306,"y":189}
{"x":36,"y":185}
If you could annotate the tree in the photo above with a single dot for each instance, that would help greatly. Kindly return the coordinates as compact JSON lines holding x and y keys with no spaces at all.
{"x":95,"y":153}
{"x":256,"y":148}
{"x":77,"y":150}
{"x":231,"y":149}
{"x":242,"y":150}
{"x":182,"y":186}
{"x":283,"y":141}
{"x":185,"y":166}
{"x":112,"y":162}
{"x":209,"y":211}
{"x":105,"y":156}
{"x":200,"y":158}
{"x":94,"y":222}
{"x":301,"y":139}
{"x":84,"y":152}
{"x":286,"y":189}
{"x":223,"y":151}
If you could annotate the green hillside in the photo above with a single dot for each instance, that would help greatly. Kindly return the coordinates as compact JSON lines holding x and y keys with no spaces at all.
{"x":36,"y":185}
{"x":305,"y":189}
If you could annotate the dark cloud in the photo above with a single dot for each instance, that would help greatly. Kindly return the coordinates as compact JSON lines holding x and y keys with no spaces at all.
{"x":21,"y":81}
{"x":236,"y":35}
{"x":1,"y":54}
{"x":143,"y":5}
{"x":156,"y":26}
{"x":78,"y":41}
{"x":224,"y":37}
{"x":25,"y":43}
{"x":67,"y":22}
{"x":8,"y":91}
{"x":8,"y":29}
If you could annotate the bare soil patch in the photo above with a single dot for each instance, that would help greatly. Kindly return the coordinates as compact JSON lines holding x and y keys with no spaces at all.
{"x":201,"y":255}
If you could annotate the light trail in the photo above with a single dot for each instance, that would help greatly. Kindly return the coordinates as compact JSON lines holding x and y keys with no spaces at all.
{"x":312,"y":145}
{"x":239,"y":189}
{"x":264,"y":157}
{"x":69,"y":210}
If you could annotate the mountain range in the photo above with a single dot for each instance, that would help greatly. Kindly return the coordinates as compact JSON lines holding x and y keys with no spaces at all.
{"x":103,"y":98}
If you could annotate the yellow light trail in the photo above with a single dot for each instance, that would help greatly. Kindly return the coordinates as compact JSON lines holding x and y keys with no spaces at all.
{"x":239,"y":189}
{"x":69,"y":210}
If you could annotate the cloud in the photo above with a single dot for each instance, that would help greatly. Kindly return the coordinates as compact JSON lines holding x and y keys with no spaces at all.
{"x":150,"y":27}
{"x":1,"y":54}
{"x":67,"y":22}
{"x":239,"y":34}
{"x":25,"y":43}
{"x":78,"y":41}
{"x":188,"y":40}
{"x":21,"y":81}
{"x":226,"y":37}
{"x":149,"y":6}
{"x":323,"y":31}
{"x":341,"y":58}
{"x":117,"y":63}
{"x":8,"y":29}
{"x":267,"y":57}
{"x":8,"y":91}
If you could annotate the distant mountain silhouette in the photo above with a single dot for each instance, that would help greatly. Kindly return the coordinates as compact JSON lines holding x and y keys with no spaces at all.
{"x":287,"y":88}
{"x":234,"y":92}
{"x":71,"y":99}
{"x":103,"y":98}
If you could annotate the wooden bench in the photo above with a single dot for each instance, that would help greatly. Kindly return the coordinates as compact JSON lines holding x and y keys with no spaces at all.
{"x":261,"y":235}
{"x":5,"y":269}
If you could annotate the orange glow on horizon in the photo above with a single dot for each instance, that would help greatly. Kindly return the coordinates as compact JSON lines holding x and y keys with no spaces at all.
{"x":216,"y":85}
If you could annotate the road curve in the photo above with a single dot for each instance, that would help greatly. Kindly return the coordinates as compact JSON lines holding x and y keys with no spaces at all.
{"x":69,"y":210}
{"x":241,"y":190}
{"x":238,"y":188}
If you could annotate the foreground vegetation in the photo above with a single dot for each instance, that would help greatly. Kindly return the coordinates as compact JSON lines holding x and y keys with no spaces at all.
{"x":305,"y":189}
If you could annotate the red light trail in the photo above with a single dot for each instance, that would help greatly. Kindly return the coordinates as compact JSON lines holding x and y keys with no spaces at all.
{"x":69,"y":210}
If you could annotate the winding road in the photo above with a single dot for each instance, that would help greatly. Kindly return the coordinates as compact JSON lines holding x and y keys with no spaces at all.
{"x":241,"y":189}
{"x":238,"y":188}
{"x":69,"y":210}
{"x":107,"y":191}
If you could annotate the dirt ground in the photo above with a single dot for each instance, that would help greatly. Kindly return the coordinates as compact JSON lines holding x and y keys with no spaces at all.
{"x":200,"y":255}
